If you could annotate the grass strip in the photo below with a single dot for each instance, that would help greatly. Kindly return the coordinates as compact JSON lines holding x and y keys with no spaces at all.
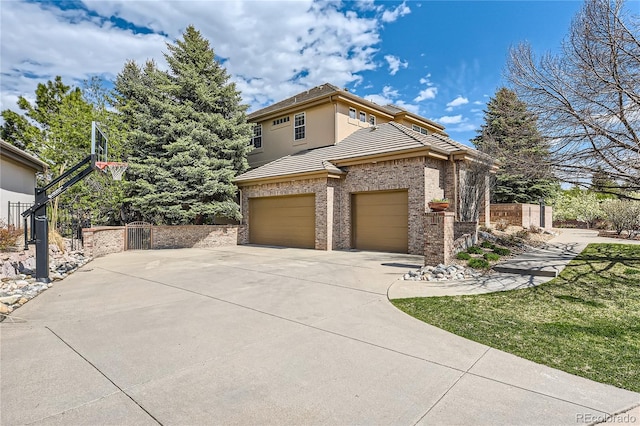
{"x":585,"y":322}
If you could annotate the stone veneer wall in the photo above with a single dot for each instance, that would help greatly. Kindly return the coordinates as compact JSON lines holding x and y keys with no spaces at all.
{"x":111,"y":239}
{"x":201,"y":236}
{"x":100,"y":241}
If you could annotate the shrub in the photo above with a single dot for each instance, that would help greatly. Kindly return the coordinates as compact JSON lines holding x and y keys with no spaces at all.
{"x":535,"y":229}
{"x":491,"y":257}
{"x":463,"y":256}
{"x":478,"y":264}
{"x":8,"y":236}
{"x":502,"y":224}
{"x":523,"y":233}
{"x":622,"y":215}
{"x":487,"y":244}
{"x":486,"y":229}
{"x":501,"y":251}
{"x":474,"y":250}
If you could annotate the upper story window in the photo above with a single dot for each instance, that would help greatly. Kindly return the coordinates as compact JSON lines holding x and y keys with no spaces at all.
{"x":281,"y":120}
{"x":299,"y":122}
{"x":363,"y":117}
{"x":352,"y":113}
{"x":256,"y":139}
{"x":420,"y":129}
{"x":372,"y":120}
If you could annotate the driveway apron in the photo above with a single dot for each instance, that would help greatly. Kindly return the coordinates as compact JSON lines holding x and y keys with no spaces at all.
{"x":263,"y":335}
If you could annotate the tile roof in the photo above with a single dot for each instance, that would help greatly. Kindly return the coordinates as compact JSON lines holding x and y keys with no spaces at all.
{"x":384,"y":138}
{"x":316,"y":92}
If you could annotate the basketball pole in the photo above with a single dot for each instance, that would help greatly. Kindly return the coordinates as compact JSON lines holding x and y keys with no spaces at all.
{"x":39,"y":212}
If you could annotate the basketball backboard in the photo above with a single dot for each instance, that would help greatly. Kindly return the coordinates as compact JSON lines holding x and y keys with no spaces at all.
{"x":100,"y":153}
{"x":99,"y":144}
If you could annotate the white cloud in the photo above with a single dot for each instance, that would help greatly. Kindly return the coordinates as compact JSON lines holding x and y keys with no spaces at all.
{"x":393,"y":15}
{"x":478,"y":103}
{"x":450,"y":119}
{"x":395,"y":64}
{"x":458,"y":102}
{"x":40,"y":41}
{"x":429,"y":92}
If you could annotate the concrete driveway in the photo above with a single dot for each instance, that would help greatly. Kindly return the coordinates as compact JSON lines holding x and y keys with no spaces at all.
{"x":259,"y":335}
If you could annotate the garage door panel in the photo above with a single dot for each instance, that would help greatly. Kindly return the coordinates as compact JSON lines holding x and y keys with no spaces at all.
{"x":283,"y":221}
{"x":380,"y":221}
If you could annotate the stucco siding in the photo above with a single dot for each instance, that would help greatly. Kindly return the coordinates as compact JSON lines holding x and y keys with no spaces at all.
{"x":17,"y":184}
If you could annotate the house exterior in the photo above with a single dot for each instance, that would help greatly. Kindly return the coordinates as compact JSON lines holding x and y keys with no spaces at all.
{"x":17,"y":178}
{"x":335,"y":171}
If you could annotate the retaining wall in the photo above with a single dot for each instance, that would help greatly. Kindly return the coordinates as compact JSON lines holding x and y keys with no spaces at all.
{"x":525,"y":215}
{"x":112,"y":239}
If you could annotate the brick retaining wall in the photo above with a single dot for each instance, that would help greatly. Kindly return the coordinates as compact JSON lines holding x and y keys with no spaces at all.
{"x":525,"y":215}
{"x":201,"y":236}
{"x":101,"y":241}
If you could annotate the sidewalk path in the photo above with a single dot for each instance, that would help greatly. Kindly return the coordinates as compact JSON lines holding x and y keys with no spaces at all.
{"x":525,"y":270}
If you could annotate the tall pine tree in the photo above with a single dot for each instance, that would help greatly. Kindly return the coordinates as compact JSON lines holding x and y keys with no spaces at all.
{"x":189,"y":136}
{"x":510,"y":135}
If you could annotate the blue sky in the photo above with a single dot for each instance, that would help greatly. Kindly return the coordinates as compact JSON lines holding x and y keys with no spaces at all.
{"x":440,"y":59}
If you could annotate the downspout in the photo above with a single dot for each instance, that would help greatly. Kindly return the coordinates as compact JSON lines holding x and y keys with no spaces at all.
{"x":456,"y":199}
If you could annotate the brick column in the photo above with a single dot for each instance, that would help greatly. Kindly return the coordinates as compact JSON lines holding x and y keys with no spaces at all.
{"x":438,"y":237}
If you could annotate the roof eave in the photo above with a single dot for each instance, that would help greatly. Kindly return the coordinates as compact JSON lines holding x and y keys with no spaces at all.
{"x":16,"y":154}
{"x":316,"y":174}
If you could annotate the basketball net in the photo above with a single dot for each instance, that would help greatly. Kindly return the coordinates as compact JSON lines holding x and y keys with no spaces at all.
{"x":116,"y":169}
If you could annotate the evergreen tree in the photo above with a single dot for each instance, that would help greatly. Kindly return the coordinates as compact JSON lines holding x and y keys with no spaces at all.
{"x":189,"y":136}
{"x":57,"y":129}
{"x":510,"y":135}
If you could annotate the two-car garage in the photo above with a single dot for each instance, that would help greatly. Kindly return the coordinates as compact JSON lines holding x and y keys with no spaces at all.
{"x":379,"y":221}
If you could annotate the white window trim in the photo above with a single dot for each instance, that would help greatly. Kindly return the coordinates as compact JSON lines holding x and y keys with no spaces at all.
{"x":353,"y":113}
{"x":254,"y":136}
{"x":295,"y":127}
{"x":362,"y":117}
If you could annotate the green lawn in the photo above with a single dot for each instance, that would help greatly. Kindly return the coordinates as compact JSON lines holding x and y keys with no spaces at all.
{"x":585,"y":322}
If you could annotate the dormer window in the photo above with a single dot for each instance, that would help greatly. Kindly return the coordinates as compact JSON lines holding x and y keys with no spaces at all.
{"x":299,"y":126}
{"x":281,"y":120}
{"x":363,"y":117}
{"x":256,"y":139}
{"x":420,"y":129}
{"x":352,"y":113}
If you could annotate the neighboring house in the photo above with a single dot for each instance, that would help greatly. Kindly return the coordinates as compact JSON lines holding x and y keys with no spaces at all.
{"x":17,"y":179}
{"x":342,"y":172}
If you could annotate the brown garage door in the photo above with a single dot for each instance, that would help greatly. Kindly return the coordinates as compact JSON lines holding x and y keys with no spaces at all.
{"x":380,"y":221}
{"x":283,"y":221}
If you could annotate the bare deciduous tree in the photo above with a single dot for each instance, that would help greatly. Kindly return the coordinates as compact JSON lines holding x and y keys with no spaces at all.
{"x":587,"y":98}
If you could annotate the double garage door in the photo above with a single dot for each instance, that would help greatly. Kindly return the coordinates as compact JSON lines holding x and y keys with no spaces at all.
{"x":379,"y":221}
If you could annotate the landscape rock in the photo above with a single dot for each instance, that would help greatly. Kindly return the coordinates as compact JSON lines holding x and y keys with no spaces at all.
{"x":17,"y":284}
{"x":4,"y":309}
{"x":441,"y":273}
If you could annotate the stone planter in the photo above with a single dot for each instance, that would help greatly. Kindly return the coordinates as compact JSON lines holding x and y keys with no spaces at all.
{"x":438,"y":206}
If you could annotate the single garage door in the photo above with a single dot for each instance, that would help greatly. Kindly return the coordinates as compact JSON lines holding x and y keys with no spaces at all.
{"x":380,"y":221}
{"x":283,"y":221}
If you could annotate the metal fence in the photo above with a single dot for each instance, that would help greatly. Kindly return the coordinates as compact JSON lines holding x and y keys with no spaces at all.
{"x":14,"y":214}
{"x":138,"y":236}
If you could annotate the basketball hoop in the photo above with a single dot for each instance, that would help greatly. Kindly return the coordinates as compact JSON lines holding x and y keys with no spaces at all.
{"x":116,"y":169}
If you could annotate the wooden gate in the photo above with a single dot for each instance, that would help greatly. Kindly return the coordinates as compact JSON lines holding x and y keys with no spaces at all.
{"x":139,"y":236}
